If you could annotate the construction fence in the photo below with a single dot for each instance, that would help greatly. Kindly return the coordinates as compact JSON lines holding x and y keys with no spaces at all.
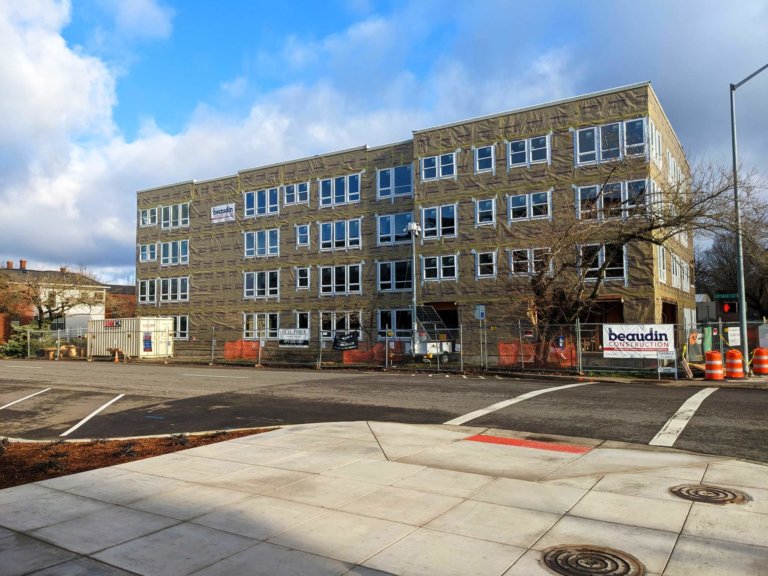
{"x":481,"y":346}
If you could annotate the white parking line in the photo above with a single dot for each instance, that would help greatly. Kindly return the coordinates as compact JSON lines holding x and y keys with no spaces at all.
{"x":498,"y":406}
{"x":25,"y":397}
{"x":91,"y":415}
{"x":213,"y":376}
{"x":5,"y":365}
{"x":668,"y":435}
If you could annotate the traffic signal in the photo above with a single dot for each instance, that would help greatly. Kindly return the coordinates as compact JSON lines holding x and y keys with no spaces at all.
{"x":728,"y":307}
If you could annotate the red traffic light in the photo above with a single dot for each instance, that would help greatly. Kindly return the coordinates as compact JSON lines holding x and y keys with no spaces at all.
{"x":728,"y":307}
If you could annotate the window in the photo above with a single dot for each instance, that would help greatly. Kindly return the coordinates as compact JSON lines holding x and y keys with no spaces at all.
{"x":525,"y":261}
{"x":485,"y":212}
{"x":397,"y":181}
{"x":395,"y":276}
{"x":264,"y":284}
{"x":340,"y":280}
{"x":261,"y":326}
{"x":655,"y":144}
{"x":617,"y":200}
{"x":147,"y":292}
{"x":340,"y":234}
{"x":397,"y":320}
{"x":393,"y":228}
{"x":147,"y":252}
{"x":485,"y":265}
{"x":174,"y":289}
{"x":302,"y":320}
{"x":176,"y":216}
{"x":612,"y":141}
{"x":532,"y":206}
{"x":439,"y":267}
{"x":296,"y":194}
{"x":148,"y":217}
{"x":606,"y":261}
{"x":436,"y":167}
{"x":180,"y":327}
{"x":676,"y":271}
{"x":340,"y":190}
{"x":528,"y":151}
{"x":662,"y":264}
{"x":485,"y":159}
{"x":174,"y":253}
{"x":262,"y":243}
{"x":439,"y":222}
{"x":302,"y":235}
{"x":338,"y":323}
{"x":262,"y":202}
{"x":302,"y":278}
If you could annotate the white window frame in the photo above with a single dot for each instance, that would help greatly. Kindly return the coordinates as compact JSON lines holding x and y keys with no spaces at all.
{"x":393,"y":283}
{"x":328,"y":197}
{"x":655,"y":143}
{"x":180,"y":326}
{"x":349,"y":286}
{"x":174,"y":216}
{"x":530,"y":261}
{"x":477,"y":202}
{"x":529,"y":207}
{"x":662,"y":265}
{"x":477,"y":159}
{"x":261,"y":243}
{"x":174,"y":253}
{"x":348,"y":242}
{"x":147,"y":291}
{"x":600,"y":151}
{"x":348,"y":318}
{"x":441,"y":266}
{"x":302,"y":230}
{"x":392,"y":221}
{"x":478,"y":255}
{"x":263,"y":325}
{"x":299,"y":191}
{"x":437,"y":231}
{"x":600,"y":261}
{"x":148,"y":252}
{"x":529,"y":150}
{"x":174,"y":289}
{"x":147,"y":217}
{"x":397,"y":333}
{"x":627,"y":210}
{"x":271,"y":289}
{"x":297,"y":314}
{"x":439,"y":170}
{"x":393,"y":190}
{"x":271,"y":198}
{"x":303,"y":283}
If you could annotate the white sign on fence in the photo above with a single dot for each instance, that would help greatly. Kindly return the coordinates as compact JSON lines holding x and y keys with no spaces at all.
{"x":762,"y":334}
{"x":734,"y":335}
{"x":293,"y":338}
{"x":637,"y":340}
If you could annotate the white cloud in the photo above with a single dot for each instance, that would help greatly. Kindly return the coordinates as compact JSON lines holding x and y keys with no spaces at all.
{"x":143,"y":18}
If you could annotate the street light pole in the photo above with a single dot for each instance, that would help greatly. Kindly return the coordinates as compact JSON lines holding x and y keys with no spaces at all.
{"x":739,"y":240}
{"x":414,"y":229}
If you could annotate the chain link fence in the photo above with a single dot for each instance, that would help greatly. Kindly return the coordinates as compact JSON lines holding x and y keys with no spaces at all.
{"x":481,"y":346}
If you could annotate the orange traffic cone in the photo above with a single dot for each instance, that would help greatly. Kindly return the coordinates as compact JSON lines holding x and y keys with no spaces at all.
{"x":117,"y":360}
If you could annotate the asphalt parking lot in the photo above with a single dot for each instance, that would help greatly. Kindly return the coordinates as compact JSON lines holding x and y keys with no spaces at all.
{"x":49,"y":400}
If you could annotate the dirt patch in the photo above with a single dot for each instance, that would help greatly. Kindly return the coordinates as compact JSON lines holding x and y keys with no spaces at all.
{"x":23,"y":462}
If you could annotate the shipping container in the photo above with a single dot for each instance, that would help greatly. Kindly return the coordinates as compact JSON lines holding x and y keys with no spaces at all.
{"x":150,"y":337}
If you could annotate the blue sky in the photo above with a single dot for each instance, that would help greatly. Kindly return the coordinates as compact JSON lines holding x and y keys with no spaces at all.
{"x":102,"y":98}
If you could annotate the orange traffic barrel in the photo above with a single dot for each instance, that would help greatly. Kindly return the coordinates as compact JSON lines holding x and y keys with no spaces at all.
{"x":760,"y":361}
{"x":714,"y":366}
{"x":734,"y":367}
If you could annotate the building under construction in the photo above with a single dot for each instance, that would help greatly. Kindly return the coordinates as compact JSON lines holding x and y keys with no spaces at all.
{"x":325,"y":244}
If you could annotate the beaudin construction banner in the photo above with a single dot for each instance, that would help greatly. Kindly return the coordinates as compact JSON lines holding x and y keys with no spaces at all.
{"x":637,"y":340}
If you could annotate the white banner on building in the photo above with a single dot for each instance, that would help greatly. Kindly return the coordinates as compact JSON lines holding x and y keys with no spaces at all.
{"x":223,"y":213}
{"x":637,"y":340}
{"x":293,"y":338}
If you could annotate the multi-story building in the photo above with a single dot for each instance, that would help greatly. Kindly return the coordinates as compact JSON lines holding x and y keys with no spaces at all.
{"x":323,"y":242}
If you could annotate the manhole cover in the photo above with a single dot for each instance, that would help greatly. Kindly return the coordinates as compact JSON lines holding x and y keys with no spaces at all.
{"x":579,"y":560}
{"x":709,"y":494}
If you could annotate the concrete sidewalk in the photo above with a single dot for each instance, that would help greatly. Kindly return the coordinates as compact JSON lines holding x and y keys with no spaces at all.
{"x":372,"y":498}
